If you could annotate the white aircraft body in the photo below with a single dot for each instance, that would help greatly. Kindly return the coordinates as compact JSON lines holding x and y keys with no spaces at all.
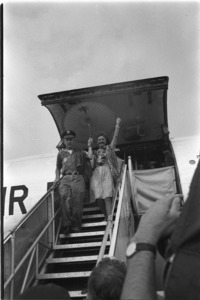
{"x":25,"y":182}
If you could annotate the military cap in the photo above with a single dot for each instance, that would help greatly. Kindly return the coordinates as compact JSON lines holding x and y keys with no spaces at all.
{"x":68,"y":133}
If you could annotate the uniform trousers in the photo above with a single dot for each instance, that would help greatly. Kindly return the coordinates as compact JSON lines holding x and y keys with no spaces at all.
{"x":72,"y":190}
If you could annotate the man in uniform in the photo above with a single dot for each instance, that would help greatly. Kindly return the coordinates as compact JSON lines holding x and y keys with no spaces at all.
{"x":71,"y":163}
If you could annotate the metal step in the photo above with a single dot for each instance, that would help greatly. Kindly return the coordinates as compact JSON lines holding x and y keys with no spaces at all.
{"x":63,"y":275}
{"x":88,"y":209}
{"x":81,"y":234}
{"x":103,"y":223}
{"x":93,"y":216}
{"x":73,"y":259}
{"x":80,"y":245}
{"x":65,"y":266}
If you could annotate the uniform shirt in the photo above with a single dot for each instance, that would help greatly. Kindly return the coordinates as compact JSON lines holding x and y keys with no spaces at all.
{"x":71,"y":162}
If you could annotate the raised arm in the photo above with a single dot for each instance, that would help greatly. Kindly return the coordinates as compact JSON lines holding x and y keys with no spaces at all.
{"x":114,"y":140}
{"x":159,"y":220}
{"x":90,"y":151}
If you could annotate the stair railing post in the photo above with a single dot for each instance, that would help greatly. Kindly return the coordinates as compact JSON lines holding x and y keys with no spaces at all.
{"x":133,"y":189}
{"x":37,"y":261}
{"x":109,"y":227}
{"x":103,"y":245}
{"x":53,"y":224}
{"x":49,"y":217}
{"x":27,"y":271}
{"x":12,"y":264}
{"x":115,"y":229}
{"x":113,"y":208}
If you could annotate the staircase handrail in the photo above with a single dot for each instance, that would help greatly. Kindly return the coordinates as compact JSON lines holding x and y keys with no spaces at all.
{"x":117,"y":217}
{"x":109,"y":223}
{"x":31,"y":211}
{"x":130,"y":173}
{"x":32,"y":249}
{"x":108,"y":227}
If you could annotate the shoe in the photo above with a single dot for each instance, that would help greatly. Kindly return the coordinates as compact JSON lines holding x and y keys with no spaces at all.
{"x":66,"y":230}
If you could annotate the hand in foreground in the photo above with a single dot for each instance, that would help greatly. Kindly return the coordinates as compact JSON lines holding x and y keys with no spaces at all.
{"x":159,"y":220}
{"x":90,"y":142}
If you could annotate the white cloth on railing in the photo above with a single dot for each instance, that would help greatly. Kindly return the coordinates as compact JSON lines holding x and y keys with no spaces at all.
{"x":150,"y":185}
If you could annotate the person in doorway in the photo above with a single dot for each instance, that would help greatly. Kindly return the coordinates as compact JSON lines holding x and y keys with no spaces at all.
{"x":71,"y":163}
{"x":105,"y":174}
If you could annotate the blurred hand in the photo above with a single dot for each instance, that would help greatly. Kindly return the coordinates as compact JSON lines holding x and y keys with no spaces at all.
{"x":118,"y":120}
{"x":159,"y":220}
{"x":90,"y":142}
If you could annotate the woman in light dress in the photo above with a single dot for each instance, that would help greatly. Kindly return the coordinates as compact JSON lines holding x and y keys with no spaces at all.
{"x":105,"y":174}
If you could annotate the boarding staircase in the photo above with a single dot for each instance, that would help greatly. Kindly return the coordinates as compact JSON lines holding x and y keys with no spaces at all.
{"x":76,"y":254}
{"x":46,"y":255}
{"x":37,"y":252}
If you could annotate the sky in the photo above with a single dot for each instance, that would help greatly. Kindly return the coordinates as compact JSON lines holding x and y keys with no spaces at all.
{"x":58,"y":46}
